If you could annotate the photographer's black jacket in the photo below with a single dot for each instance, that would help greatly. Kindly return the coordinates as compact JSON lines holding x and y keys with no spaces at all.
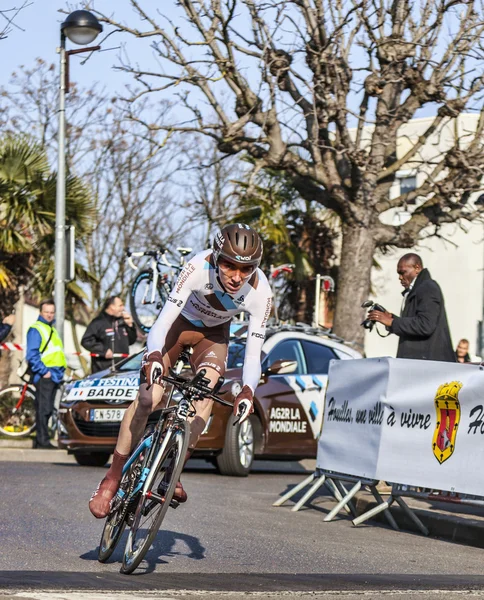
{"x":423,"y":329}
{"x":104,"y":332}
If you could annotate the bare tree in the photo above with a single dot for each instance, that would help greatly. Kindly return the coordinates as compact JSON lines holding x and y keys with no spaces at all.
{"x":8,"y":16}
{"x":127,"y":168}
{"x":321,"y":90}
{"x":210,"y":195}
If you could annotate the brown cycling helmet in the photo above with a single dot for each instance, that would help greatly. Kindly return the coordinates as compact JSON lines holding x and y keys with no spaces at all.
{"x":238,"y":243}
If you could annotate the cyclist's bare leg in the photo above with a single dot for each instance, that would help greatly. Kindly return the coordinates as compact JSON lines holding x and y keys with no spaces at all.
{"x":203,"y":409}
{"x":136,"y":416}
{"x":132,"y":428}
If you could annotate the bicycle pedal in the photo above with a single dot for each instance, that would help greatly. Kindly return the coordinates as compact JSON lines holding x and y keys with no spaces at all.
{"x":174,"y":503}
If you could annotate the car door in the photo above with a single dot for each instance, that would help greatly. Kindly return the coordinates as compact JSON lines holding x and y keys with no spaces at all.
{"x":287,"y":428}
{"x":318,"y":357}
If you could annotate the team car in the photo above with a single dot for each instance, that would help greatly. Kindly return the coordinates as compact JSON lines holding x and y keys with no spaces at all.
{"x":288,"y":404}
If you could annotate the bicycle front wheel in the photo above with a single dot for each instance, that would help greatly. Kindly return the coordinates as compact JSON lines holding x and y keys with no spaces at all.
{"x":17,"y":411}
{"x":145,"y":301}
{"x":155,"y":501}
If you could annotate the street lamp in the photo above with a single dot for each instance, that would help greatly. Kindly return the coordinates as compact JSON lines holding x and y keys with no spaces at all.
{"x":82,"y":28}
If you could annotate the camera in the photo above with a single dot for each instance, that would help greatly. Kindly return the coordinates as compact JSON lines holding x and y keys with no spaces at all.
{"x":370,"y":305}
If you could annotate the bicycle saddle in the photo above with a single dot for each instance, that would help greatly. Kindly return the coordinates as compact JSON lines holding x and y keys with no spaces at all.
{"x":184,"y":251}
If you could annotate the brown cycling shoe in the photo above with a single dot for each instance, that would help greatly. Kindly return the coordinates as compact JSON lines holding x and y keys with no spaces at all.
{"x":100,"y":502}
{"x":180,"y":495}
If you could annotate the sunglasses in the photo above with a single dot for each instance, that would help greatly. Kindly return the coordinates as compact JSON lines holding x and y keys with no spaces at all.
{"x":230,"y":268}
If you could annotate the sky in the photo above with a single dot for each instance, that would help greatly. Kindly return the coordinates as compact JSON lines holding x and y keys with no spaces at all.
{"x":38,"y":35}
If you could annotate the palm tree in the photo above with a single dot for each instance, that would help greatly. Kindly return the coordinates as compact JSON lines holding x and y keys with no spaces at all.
{"x":27,"y":222}
{"x":295,"y":231}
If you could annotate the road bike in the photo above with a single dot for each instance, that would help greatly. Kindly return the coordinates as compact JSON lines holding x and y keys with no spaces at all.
{"x":17,"y":409}
{"x":153,"y":470}
{"x":152,"y":284}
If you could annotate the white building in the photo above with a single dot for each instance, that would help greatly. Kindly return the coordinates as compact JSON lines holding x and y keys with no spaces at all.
{"x":455,"y":259}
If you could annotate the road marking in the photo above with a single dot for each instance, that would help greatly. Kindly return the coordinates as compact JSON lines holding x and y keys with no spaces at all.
{"x":177,"y":594}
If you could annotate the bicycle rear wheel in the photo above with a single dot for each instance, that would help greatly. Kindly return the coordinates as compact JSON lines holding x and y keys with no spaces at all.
{"x":17,"y":422}
{"x":155,"y":501}
{"x":145,"y":306}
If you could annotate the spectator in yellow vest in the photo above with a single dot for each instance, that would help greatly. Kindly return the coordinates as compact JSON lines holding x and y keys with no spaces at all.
{"x":47,"y":362}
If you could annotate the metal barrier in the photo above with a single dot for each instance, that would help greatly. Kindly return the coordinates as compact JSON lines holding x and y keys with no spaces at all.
{"x":344,"y":497}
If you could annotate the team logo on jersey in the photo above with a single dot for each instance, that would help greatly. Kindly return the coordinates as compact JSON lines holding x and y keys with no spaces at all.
{"x":447,"y":407}
{"x":211,"y":353}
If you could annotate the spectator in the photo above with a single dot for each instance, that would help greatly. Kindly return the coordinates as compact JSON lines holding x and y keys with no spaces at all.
{"x":111,"y":332}
{"x":47,"y":362}
{"x":462,"y":351}
{"x":6,"y":326}
{"x":422,"y":327}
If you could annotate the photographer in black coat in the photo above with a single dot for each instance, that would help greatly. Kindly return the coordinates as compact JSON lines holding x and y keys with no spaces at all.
{"x":111,"y":332}
{"x":422,"y":327}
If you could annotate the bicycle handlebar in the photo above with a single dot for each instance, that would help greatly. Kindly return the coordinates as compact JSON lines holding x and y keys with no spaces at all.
{"x":159,"y":255}
{"x":197,"y":387}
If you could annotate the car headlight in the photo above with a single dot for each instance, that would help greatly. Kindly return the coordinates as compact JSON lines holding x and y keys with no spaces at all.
{"x":61,"y":429}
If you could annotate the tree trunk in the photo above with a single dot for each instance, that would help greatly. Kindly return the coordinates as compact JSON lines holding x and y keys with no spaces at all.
{"x":353,"y":286}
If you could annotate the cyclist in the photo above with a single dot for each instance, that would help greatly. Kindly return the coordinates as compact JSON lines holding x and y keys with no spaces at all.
{"x":213,"y":287}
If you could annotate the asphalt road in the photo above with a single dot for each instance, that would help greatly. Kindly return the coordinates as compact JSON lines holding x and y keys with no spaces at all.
{"x":227,"y":538}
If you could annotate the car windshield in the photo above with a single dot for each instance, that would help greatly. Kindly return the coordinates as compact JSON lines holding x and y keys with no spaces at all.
{"x":235,"y":359}
{"x":132,"y":364}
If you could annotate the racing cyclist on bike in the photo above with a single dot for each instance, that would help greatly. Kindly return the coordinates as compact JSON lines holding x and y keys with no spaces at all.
{"x":214,"y":286}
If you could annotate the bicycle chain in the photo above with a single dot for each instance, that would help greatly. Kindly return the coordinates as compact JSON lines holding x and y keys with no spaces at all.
{"x":128,"y":501}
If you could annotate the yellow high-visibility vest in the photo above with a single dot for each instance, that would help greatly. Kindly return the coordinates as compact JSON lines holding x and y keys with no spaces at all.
{"x":53,"y":355}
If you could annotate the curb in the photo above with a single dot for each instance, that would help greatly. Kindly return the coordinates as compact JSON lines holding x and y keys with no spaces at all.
{"x":22,"y":443}
{"x":456,"y":528}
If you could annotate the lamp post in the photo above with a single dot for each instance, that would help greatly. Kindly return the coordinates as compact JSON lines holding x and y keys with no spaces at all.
{"x":82,"y":28}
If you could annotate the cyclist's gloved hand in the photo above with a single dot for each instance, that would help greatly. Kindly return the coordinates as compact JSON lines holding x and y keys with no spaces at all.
{"x":152,"y":367}
{"x":244,"y":404}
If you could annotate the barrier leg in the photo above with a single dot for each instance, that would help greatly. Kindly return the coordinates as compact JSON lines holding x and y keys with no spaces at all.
{"x":316,"y":485}
{"x":331,"y":485}
{"x":411,"y":515}
{"x":294,"y":490}
{"x":374,"y":511}
{"x":387,"y":514}
{"x":344,"y":501}
{"x":349,"y":507}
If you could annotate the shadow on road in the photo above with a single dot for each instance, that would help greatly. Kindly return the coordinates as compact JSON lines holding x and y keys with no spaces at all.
{"x":163,"y":547}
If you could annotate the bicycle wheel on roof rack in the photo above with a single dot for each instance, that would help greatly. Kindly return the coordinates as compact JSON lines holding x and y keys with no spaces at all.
{"x":146,"y":302}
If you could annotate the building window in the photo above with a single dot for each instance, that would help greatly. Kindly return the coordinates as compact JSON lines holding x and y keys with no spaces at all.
{"x":408,"y":184}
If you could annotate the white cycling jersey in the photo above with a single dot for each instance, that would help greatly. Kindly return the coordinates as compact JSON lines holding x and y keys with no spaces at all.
{"x":200,"y":297}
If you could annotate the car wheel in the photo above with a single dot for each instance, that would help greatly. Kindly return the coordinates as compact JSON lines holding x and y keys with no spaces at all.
{"x":95,"y":459}
{"x":237,"y":455}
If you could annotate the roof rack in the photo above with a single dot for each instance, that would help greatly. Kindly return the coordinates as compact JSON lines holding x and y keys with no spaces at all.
{"x":273,"y":328}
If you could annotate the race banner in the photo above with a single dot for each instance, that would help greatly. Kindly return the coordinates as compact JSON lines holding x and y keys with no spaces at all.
{"x":418,"y":423}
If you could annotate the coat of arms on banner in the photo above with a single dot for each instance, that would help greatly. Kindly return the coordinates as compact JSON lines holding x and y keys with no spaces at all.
{"x":447,"y":407}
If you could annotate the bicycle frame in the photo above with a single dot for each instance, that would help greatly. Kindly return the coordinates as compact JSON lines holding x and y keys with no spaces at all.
{"x":157,"y":259}
{"x":22,"y":397}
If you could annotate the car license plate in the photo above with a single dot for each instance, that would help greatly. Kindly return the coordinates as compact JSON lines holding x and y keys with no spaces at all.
{"x":106,"y":414}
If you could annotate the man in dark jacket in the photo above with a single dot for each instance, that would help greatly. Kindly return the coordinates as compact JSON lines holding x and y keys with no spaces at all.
{"x":110,"y":333}
{"x":6,"y":326}
{"x":422,"y":327}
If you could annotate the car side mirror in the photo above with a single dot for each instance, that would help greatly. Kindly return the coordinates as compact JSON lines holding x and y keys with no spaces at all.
{"x":282,"y":366}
